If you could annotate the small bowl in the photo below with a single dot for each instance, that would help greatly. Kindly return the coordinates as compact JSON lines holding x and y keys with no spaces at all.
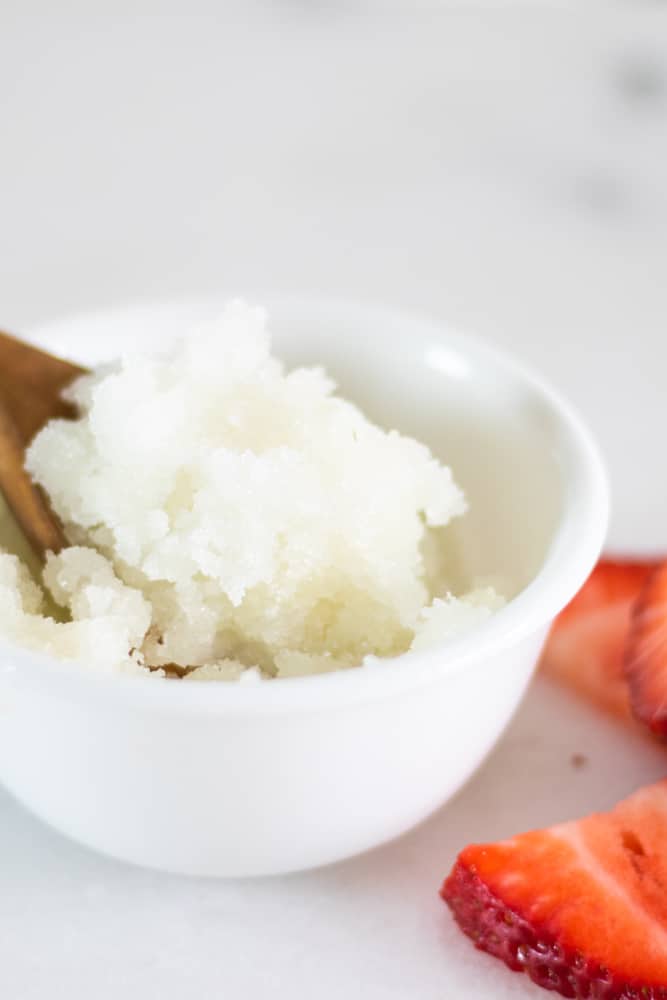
{"x":237,"y":780}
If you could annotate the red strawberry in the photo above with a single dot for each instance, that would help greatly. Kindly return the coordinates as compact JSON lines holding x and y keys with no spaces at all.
{"x":646,"y":653}
{"x":585,"y":648}
{"x":581,"y":907}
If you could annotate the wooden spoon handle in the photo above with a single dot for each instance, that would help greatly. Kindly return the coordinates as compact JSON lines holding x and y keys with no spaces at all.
{"x":26,"y":500}
{"x":31,"y":383}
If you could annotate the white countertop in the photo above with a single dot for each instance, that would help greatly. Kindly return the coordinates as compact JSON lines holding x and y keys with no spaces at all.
{"x":504,"y":169}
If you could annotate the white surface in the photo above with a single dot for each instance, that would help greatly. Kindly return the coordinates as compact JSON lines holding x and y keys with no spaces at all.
{"x":189,"y":778}
{"x":502,"y":169}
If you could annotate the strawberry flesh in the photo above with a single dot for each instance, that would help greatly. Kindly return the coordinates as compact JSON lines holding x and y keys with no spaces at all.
{"x":581,"y":907}
{"x":646,"y":653}
{"x":586,"y":646}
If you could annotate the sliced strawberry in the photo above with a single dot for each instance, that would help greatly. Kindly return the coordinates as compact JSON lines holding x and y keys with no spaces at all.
{"x":586,"y":645}
{"x":646,"y":653}
{"x":581,"y":907}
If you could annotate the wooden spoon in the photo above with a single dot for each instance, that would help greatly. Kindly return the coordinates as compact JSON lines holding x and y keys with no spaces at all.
{"x":31,"y":383}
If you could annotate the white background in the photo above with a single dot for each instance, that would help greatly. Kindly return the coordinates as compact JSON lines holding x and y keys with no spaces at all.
{"x":504,"y":167}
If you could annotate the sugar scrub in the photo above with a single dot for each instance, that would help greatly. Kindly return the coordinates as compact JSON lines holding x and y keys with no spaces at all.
{"x":229,"y":519}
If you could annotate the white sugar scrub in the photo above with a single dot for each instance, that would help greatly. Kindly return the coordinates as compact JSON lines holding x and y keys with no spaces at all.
{"x":233,"y":520}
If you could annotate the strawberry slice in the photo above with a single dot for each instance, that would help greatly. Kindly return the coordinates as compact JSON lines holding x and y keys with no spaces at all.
{"x":646,"y":653}
{"x":586,"y":645}
{"x":581,"y":907}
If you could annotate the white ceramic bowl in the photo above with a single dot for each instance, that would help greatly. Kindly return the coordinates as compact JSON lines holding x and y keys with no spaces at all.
{"x":222,"y":779}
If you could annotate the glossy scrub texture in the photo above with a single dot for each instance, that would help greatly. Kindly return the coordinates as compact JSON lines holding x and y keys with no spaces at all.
{"x":233,"y":517}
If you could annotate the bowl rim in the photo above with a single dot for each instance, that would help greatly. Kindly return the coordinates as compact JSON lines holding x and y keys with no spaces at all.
{"x":575,"y":547}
